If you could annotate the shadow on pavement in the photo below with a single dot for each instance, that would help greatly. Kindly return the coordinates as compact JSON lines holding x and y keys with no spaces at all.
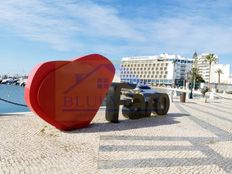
{"x":132,"y":124}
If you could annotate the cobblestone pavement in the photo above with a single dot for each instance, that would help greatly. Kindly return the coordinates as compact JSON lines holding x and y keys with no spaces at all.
{"x":195,"y":137}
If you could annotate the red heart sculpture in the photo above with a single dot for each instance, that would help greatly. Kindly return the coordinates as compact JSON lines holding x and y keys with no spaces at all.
{"x":67,"y":94}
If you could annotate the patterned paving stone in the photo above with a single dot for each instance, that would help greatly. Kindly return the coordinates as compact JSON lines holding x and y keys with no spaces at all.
{"x":194,"y":137}
{"x":223,"y":148}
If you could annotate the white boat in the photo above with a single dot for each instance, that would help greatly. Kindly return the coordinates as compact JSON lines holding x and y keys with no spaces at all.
{"x":7,"y":81}
{"x":23,"y":82}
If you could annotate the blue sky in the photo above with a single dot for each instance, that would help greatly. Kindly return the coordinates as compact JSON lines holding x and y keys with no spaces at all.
{"x":33,"y":31}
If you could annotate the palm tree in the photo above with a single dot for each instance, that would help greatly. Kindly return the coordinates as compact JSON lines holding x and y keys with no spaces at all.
{"x":219,"y":72}
{"x":193,"y":74}
{"x":210,"y":58}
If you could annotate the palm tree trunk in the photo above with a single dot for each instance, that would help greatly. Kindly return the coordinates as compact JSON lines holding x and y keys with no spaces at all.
{"x":219,"y":78}
{"x":209,"y":75}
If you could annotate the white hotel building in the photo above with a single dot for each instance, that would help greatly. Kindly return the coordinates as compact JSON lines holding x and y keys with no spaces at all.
{"x":161,"y":69}
{"x":203,"y":67}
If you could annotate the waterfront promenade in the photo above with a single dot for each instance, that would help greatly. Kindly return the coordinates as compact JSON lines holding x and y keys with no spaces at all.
{"x":195,"y":137}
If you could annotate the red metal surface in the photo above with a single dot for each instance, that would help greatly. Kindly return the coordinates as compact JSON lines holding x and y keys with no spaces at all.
{"x":67,"y":94}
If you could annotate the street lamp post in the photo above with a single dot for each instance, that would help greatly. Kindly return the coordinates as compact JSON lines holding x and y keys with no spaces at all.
{"x":191,"y":93}
{"x":188,"y":77}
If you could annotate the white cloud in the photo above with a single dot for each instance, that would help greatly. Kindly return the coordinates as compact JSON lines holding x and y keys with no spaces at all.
{"x":62,"y":23}
{"x":70,"y":25}
{"x":186,"y":35}
{"x":37,"y":21}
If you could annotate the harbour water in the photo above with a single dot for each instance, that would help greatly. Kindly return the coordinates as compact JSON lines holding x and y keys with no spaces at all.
{"x":14,"y":94}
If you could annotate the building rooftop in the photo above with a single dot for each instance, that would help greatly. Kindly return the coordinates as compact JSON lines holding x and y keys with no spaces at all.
{"x":163,"y":56}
